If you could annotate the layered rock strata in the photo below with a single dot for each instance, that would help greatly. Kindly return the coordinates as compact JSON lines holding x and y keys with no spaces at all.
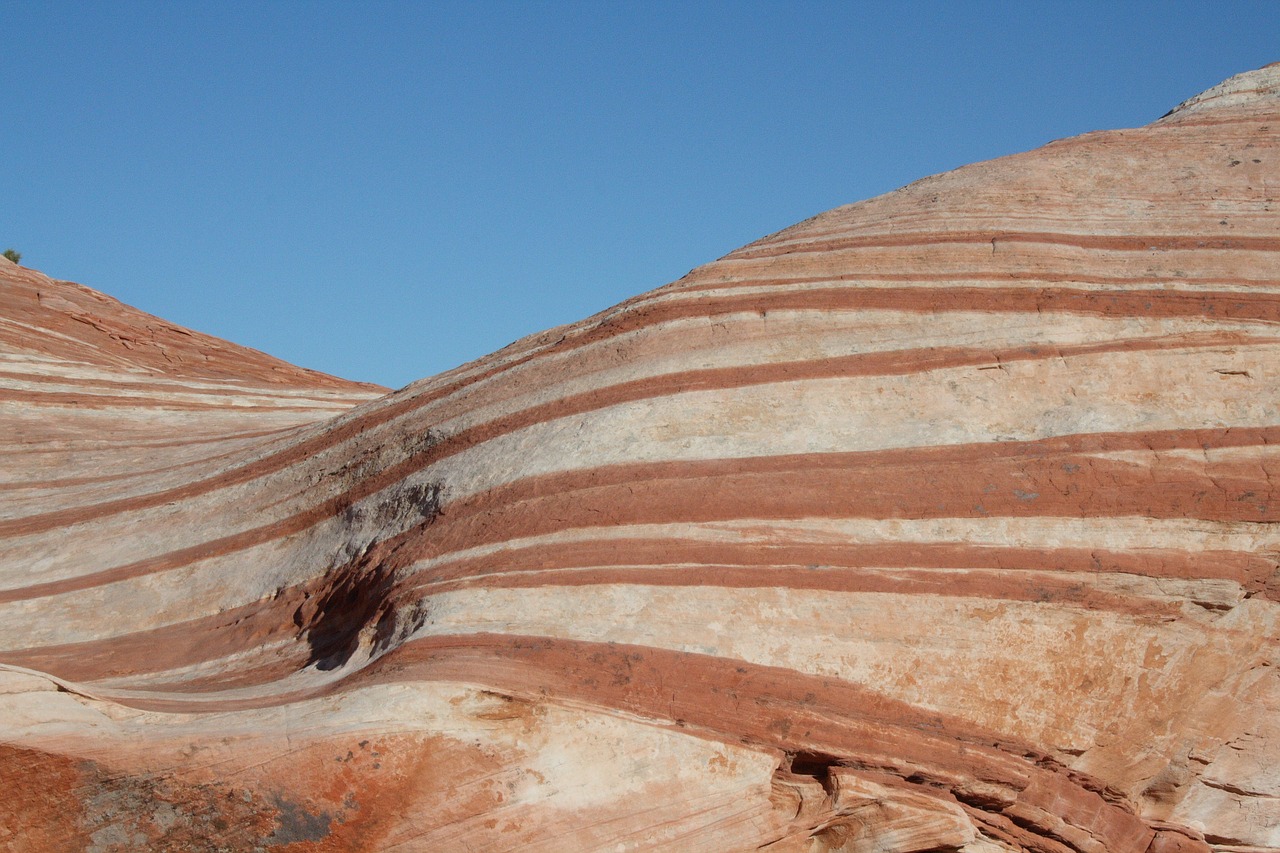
{"x":942,"y":521}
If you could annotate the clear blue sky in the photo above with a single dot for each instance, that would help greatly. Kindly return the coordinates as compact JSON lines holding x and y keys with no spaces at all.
{"x":386,"y":190}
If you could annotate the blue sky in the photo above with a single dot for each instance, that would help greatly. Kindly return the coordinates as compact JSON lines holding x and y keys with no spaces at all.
{"x":387,"y":190}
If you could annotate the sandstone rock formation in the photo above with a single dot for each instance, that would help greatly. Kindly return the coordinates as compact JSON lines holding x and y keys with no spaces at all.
{"x":945,"y":521}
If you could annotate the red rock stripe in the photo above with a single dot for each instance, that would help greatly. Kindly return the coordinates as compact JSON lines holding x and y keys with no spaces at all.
{"x":136,"y":473}
{"x":1219,"y":305}
{"x":184,"y":556}
{"x":205,"y":437}
{"x":731,"y":697}
{"x":243,"y":628}
{"x":557,"y":372}
{"x":559,"y":669}
{"x":232,"y":631}
{"x":972,"y":481}
{"x":162,"y":389}
{"x":1265,"y":307}
{"x":1101,"y":242}
{"x":872,"y":364}
{"x":648,"y":316}
{"x":1026,"y":299}
{"x":906,"y":299}
{"x":1027,"y":281}
{"x":82,"y":400}
{"x":1176,"y":122}
{"x":962,"y":481}
{"x":286,"y":456}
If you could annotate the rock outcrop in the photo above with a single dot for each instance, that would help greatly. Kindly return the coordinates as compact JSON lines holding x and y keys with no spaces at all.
{"x":945,"y":521}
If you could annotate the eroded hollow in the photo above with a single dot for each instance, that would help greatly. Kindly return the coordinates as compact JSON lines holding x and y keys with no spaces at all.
{"x":356,"y":601}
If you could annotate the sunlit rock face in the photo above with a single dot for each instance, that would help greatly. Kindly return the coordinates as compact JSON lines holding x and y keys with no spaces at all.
{"x":945,"y":521}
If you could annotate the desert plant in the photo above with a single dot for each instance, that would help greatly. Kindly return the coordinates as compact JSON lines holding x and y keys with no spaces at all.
{"x":12,"y":255}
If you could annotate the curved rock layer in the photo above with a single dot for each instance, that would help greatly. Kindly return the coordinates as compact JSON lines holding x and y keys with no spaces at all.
{"x":945,"y":521}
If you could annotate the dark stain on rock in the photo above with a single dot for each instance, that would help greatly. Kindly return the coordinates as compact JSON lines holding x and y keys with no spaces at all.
{"x":294,"y":823}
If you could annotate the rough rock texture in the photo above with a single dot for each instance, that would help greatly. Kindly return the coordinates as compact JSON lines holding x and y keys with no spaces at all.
{"x":942,"y":521}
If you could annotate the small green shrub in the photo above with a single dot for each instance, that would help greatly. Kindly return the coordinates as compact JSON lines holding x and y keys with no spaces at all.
{"x":16,"y":257}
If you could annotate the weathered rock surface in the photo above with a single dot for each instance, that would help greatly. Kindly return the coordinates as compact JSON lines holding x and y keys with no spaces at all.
{"x":942,"y":521}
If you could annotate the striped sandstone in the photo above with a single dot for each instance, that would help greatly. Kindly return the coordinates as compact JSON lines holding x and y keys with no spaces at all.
{"x":944,"y":521}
